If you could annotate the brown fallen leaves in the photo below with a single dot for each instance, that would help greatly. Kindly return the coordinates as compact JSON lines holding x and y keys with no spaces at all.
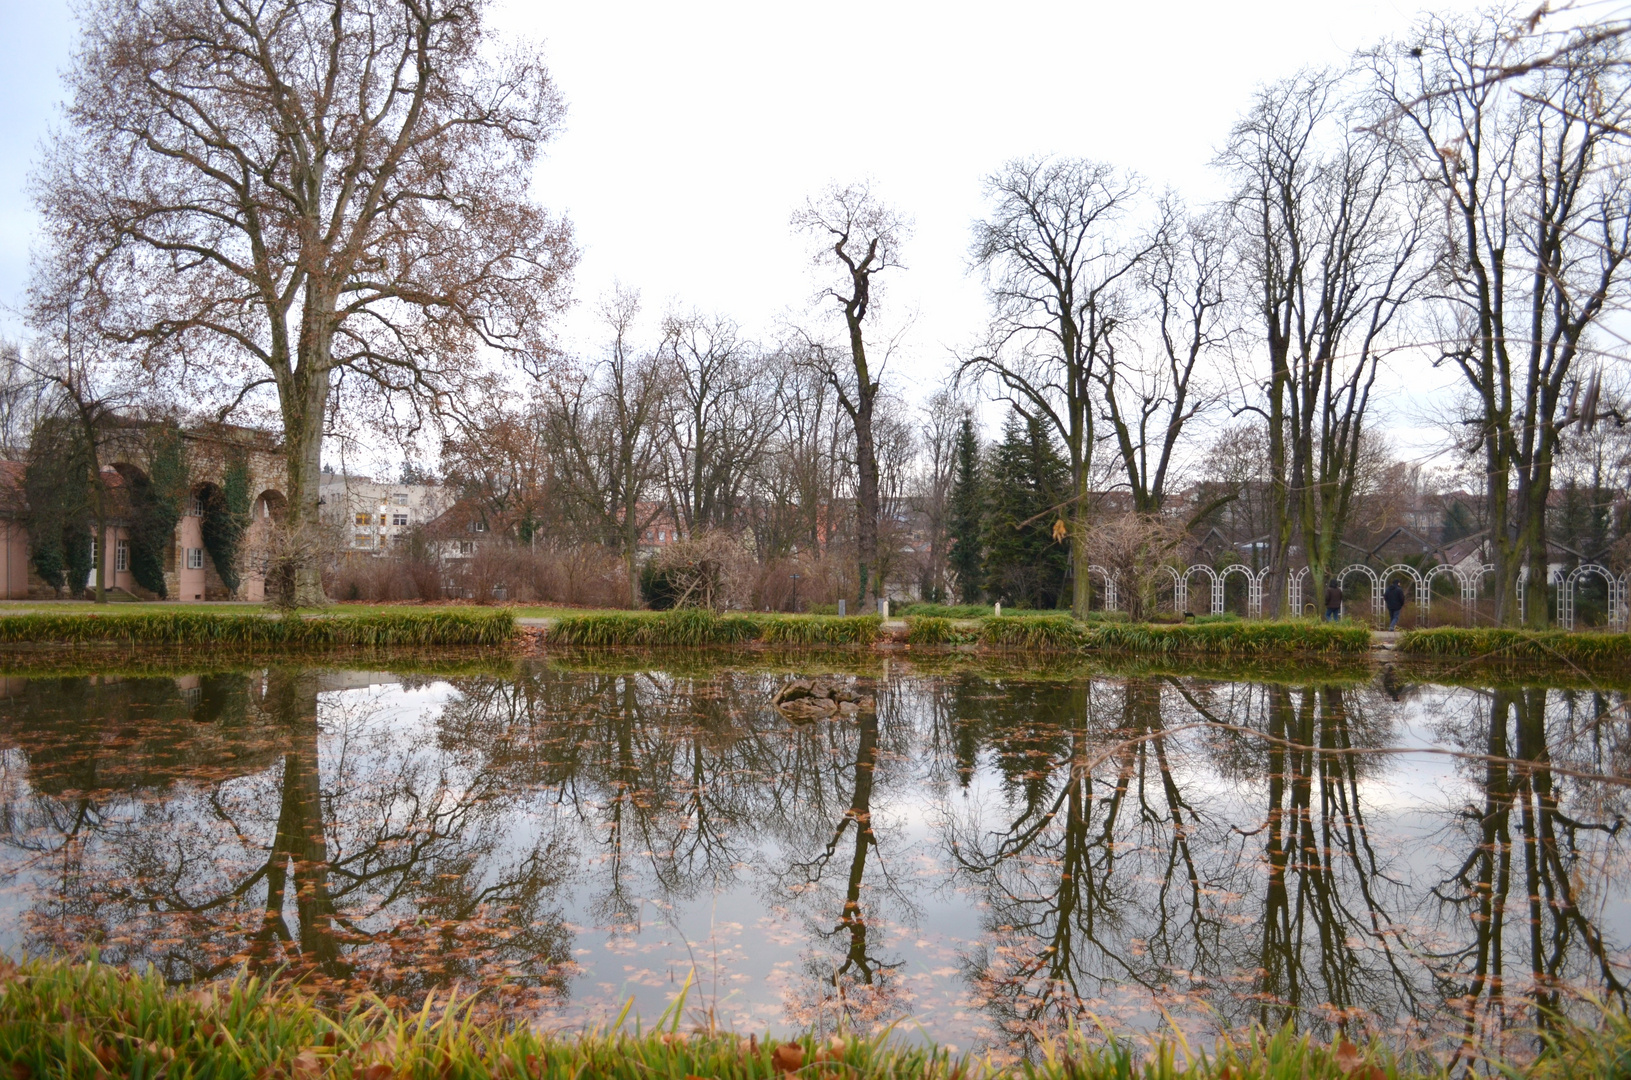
{"x":788,"y":1057}
{"x":1352,"y":1062}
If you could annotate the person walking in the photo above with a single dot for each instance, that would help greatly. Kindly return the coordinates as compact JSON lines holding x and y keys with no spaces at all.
{"x":1394,"y":599}
{"x":1333,"y":601}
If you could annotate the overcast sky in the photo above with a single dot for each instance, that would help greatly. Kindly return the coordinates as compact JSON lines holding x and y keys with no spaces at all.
{"x":693,"y":130}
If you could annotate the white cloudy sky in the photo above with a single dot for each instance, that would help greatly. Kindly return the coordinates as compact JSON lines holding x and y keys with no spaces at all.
{"x":694,"y":129}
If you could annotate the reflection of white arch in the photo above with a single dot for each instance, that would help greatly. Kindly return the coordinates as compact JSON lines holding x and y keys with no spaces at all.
{"x":1109,"y":585}
{"x":1616,"y":594}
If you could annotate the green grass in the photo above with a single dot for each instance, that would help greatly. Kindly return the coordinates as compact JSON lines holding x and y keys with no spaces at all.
{"x":693,"y":628}
{"x":1487,"y":643}
{"x":436,"y":626}
{"x":818,"y":629}
{"x":92,"y":1021}
{"x":1237,"y":638}
{"x":936,"y":630}
{"x":1053,"y":633}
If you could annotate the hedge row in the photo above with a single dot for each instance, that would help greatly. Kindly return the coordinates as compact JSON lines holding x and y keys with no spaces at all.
{"x":238,"y":629}
{"x":692,"y":627}
{"x":90,"y":1020}
{"x":1492,"y":644}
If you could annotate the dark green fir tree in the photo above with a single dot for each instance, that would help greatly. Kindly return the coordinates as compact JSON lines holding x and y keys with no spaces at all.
{"x":1024,"y":564}
{"x":967,"y":517}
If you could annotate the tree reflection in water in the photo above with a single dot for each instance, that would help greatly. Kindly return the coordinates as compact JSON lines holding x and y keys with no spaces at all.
{"x":207,"y":824}
{"x":1127,"y":848}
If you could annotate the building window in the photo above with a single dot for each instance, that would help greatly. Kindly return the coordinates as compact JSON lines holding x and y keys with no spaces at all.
{"x":196,"y":509}
{"x":362,"y":540}
{"x":478,"y":526}
{"x":467,"y":547}
{"x":400,"y":498}
{"x":195,"y":558}
{"x":364,"y":519}
{"x":121,"y":555}
{"x":382,"y":519}
{"x":399,"y":519}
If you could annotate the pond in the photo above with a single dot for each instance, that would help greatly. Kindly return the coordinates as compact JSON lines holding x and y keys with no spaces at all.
{"x":985,"y":856}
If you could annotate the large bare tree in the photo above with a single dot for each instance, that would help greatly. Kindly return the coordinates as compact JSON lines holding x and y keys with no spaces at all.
{"x":1057,"y":266}
{"x":1331,"y":239}
{"x":1530,"y":172}
{"x":275,"y":193}
{"x":860,"y":238}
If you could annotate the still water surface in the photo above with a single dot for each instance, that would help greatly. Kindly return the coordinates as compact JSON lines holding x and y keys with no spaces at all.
{"x":986,"y":857}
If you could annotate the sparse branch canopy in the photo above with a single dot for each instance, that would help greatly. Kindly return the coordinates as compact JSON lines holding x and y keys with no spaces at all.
{"x":858,"y":237}
{"x":1058,"y":266}
{"x":292,"y":189}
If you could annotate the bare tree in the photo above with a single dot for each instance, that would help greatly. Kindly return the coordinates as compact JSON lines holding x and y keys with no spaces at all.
{"x":1149,"y":391}
{"x":1057,"y":268}
{"x":721,"y":417}
{"x":1530,"y":174}
{"x":276,"y":194}
{"x":602,"y":426}
{"x":861,"y":238}
{"x":1332,"y":242}
{"x":939,"y":430}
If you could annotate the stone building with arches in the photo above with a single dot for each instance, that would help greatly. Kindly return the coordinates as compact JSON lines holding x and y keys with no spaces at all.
{"x":191,"y":570}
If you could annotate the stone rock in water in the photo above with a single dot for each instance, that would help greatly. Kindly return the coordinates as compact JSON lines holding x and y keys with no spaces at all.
{"x":815,"y":699}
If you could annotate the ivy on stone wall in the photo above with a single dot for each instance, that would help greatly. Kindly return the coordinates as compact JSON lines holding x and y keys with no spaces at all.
{"x":226,"y":518}
{"x":58,"y":505}
{"x":155,"y":506}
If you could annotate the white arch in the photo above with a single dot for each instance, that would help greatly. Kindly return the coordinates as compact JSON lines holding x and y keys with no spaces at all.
{"x":1375,"y":586}
{"x":1109,"y":585}
{"x":1180,"y":588}
{"x":1421,"y":588}
{"x":1294,"y":591}
{"x":1254,"y":587}
{"x":1565,"y":594}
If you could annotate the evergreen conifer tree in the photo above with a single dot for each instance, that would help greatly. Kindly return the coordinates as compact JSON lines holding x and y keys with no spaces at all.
{"x":967,"y":516}
{"x":1024,"y":565}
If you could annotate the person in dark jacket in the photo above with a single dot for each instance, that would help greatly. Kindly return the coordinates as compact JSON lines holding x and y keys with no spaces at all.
{"x":1394,"y":599}
{"x":1333,"y":601}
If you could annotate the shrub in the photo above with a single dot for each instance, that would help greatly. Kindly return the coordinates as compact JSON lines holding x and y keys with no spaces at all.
{"x":934,"y":630}
{"x":407,"y":628}
{"x":1050,"y":633}
{"x":1230,"y":638}
{"x":1498,"y":644}
{"x":819,"y":629}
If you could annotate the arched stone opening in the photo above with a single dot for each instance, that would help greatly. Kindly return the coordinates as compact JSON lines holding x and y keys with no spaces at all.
{"x":266,"y":511}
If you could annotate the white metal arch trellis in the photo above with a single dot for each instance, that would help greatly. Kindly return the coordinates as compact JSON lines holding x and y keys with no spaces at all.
{"x":1616,"y":594}
{"x":1375,"y":588}
{"x":1254,"y":588}
{"x":1109,"y":585}
{"x":1180,"y":586}
{"x":1422,"y":596}
{"x":1294,"y":590}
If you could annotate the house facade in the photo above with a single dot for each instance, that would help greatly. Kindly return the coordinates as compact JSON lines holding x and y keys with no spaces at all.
{"x":373,"y":517}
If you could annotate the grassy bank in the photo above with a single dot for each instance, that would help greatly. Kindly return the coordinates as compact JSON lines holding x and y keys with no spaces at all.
{"x":690,"y":627}
{"x":1234,"y":638}
{"x":403,"y":629}
{"x":89,"y":1020}
{"x":1553,"y":646}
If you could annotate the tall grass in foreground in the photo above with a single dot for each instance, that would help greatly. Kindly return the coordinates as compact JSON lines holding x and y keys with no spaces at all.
{"x":239,"y":629}
{"x":93,"y":1021}
{"x":1495,"y":644}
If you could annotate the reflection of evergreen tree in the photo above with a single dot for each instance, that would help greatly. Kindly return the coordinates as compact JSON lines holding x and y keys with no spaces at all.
{"x":1024,"y":564}
{"x":967,"y":512}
